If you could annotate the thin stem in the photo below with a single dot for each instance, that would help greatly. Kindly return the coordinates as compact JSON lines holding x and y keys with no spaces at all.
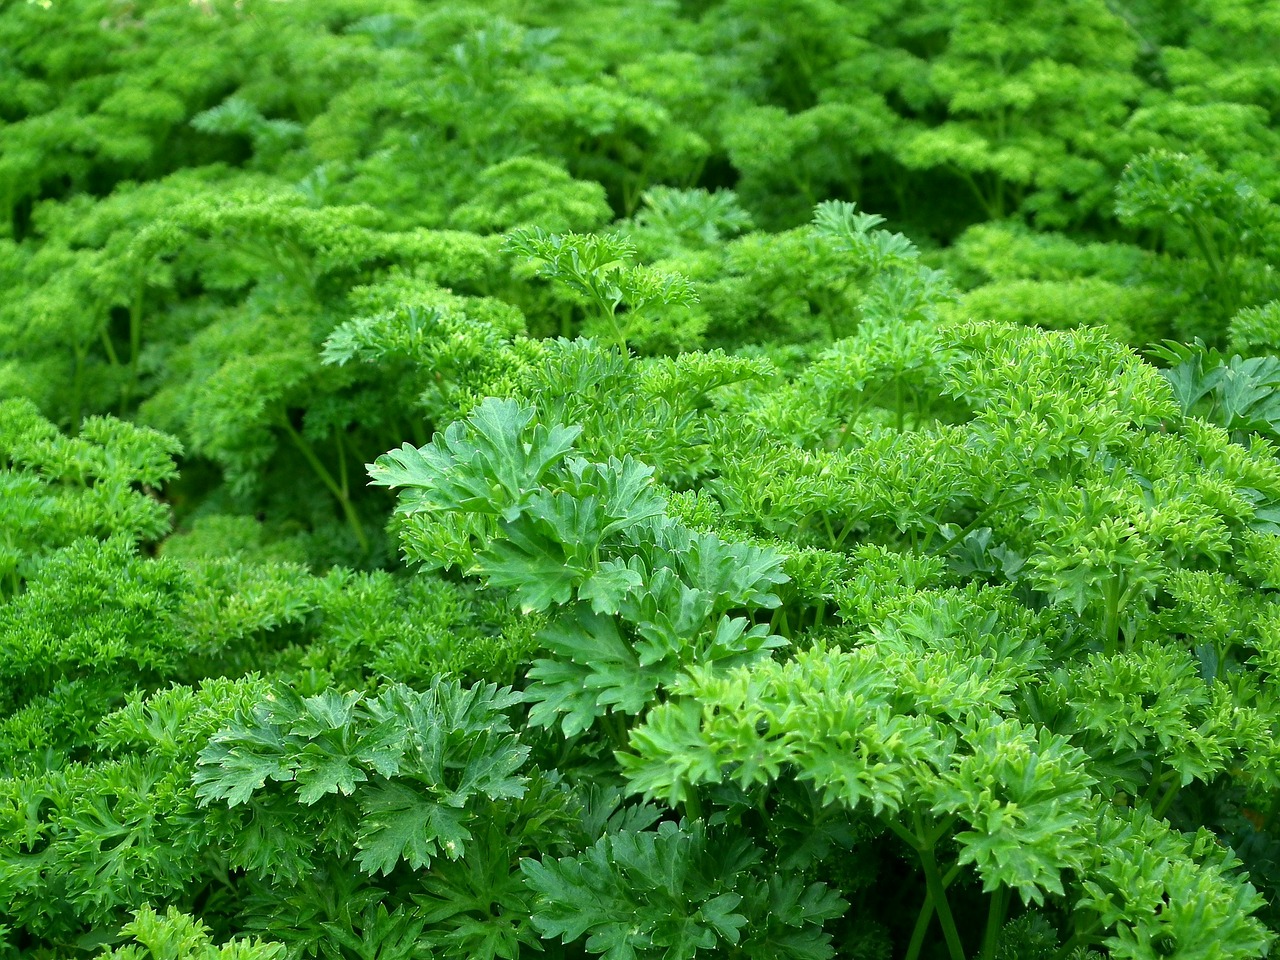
{"x":135,"y":321}
{"x":826,"y":520}
{"x":985,"y":514}
{"x":998,"y":905}
{"x":923,"y":919}
{"x":692,"y":804}
{"x":342,"y":465}
{"x":135,"y":337}
{"x":1207,"y":247}
{"x":916,"y":944}
{"x":1111,"y":613}
{"x":108,"y":347}
{"x":348,"y":508}
{"x":819,"y":612}
{"x":910,"y":839}
{"x":1079,"y":939}
{"x":937,"y":893}
{"x":610,"y":313}
{"x":1153,"y":788}
{"x":940,"y":830}
{"x":1167,"y":801}
{"x":616,"y":728}
{"x":967,"y":177}
{"x":77,"y":387}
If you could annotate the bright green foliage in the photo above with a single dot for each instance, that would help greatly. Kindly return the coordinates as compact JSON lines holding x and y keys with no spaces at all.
{"x":97,"y":621}
{"x":413,"y":761}
{"x":1013,"y":83}
{"x":1216,"y":224}
{"x":673,"y":220}
{"x":834,"y":720}
{"x":599,"y":269}
{"x":240,"y":118}
{"x":669,"y":893}
{"x":436,"y":347}
{"x":85,"y":846}
{"x":1234,"y":392}
{"x":791,"y":579}
{"x":1254,"y":329}
{"x":380,"y":625}
{"x":1172,"y":887}
{"x":1051,"y":281}
{"x":56,"y":488}
{"x":531,"y":193}
{"x":177,"y":936}
{"x":1210,"y":232}
{"x":664,"y":411}
{"x":591,"y":539}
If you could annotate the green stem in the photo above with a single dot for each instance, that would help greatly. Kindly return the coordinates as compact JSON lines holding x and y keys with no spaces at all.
{"x":348,"y":508}
{"x":991,"y":211}
{"x":77,"y":387}
{"x":940,"y":830}
{"x":924,"y":841}
{"x":826,"y":520}
{"x":1207,"y":248}
{"x":937,"y":892}
{"x":910,"y":839}
{"x":618,"y":335}
{"x":616,"y":727}
{"x":108,"y":347}
{"x":762,"y":800}
{"x":985,"y":514}
{"x":1111,"y":613}
{"x":921,"y":928}
{"x":923,"y":919}
{"x":692,"y":804}
{"x":1167,"y":801}
{"x":852,"y":413}
{"x":1153,"y":788}
{"x":135,"y":338}
{"x":927,"y":544}
{"x":610,"y":313}
{"x":1079,"y":939}
{"x":342,"y":465}
{"x":998,"y":905}
{"x":135,"y":321}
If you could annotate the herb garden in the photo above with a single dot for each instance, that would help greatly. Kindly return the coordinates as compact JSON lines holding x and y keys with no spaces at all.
{"x":639,"y":479}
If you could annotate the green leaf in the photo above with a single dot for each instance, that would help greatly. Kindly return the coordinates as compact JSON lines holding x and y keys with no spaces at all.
{"x":609,"y":585}
{"x":399,"y":823}
{"x":672,"y":894}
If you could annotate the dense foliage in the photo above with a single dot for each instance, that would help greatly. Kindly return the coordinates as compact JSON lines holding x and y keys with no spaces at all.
{"x":770,"y":479}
